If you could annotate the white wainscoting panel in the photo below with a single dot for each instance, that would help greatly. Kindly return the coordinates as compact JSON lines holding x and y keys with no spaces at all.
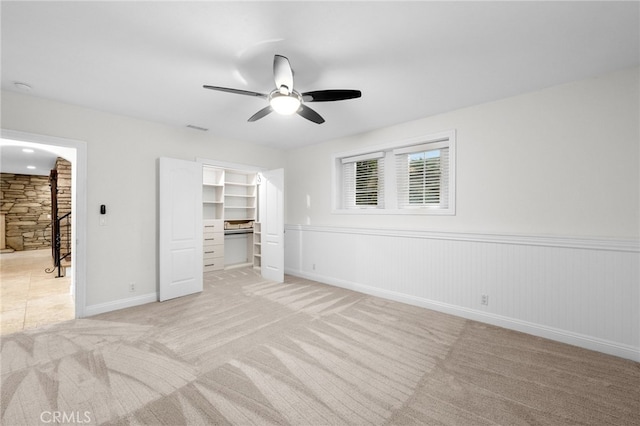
{"x":580,"y":291}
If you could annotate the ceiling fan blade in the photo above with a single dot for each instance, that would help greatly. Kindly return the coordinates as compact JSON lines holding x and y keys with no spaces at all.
{"x":282,"y":72}
{"x":258,"y":115}
{"x":236,"y":91}
{"x":310,"y":114}
{"x":331,"y":95}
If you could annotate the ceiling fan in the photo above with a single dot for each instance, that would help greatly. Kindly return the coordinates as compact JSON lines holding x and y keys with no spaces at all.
{"x":285,"y":100}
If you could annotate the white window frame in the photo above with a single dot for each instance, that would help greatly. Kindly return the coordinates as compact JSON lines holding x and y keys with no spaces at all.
{"x":390,"y":202}
{"x":351,"y":192}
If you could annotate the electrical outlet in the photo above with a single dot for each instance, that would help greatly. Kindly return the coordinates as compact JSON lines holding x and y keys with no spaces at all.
{"x":484,"y":299}
{"x":313,"y":267}
{"x":132,"y":287}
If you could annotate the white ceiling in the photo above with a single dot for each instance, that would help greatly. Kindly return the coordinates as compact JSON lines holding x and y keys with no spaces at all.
{"x":410,"y":59}
{"x":36,"y":160}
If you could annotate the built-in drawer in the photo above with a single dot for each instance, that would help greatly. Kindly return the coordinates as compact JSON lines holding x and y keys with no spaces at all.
{"x":213,"y":251}
{"x":213,"y":225}
{"x":212,"y":238}
{"x":213,"y":245}
{"x":215,"y":264}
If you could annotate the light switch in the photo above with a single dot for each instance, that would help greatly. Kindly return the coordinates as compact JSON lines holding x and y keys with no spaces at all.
{"x":103,"y":220}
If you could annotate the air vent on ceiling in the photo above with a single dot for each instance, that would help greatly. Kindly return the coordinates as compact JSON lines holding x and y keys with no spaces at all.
{"x":202,"y":129}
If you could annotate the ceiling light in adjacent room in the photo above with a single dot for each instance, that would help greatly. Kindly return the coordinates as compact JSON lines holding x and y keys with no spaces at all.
{"x":27,"y":150}
{"x":31,"y":167}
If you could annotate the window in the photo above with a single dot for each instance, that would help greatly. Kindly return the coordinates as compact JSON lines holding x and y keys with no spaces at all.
{"x":363,"y":181}
{"x":423,"y":175}
{"x":414,"y":176}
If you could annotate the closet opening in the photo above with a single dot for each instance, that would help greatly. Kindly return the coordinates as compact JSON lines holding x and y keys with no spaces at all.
{"x":232,"y":232}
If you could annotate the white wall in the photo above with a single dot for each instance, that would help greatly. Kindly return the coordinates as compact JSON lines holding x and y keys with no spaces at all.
{"x":122,"y":155}
{"x":561,"y":161}
{"x":547,"y":223}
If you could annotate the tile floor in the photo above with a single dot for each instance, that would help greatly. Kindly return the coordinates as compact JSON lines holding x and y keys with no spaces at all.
{"x":29,"y":297}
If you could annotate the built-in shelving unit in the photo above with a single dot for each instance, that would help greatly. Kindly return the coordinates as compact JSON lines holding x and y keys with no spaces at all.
{"x":257,"y":245}
{"x":239,"y":196}
{"x":229,"y":200}
{"x":212,"y":193}
{"x":212,"y":218}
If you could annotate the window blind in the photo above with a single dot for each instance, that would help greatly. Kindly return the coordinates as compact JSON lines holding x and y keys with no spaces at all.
{"x":422,"y":174}
{"x":363,"y":181}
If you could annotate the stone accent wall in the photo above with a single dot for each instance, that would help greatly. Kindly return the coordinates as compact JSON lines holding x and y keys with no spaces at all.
{"x":26,"y":201}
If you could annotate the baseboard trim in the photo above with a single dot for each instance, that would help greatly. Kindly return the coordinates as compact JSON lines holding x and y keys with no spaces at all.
{"x":563,"y":336}
{"x":116,"y":305}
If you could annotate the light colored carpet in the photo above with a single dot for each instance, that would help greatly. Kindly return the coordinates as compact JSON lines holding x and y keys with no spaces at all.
{"x":248,"y":351}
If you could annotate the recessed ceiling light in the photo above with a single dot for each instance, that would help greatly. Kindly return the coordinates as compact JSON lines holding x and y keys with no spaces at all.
{"x":22,"y":86}
{"x":28,"y":150}
{"x":31,"y":167}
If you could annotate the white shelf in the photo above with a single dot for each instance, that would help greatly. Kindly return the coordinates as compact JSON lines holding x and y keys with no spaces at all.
{"x":239,"y":184}
{"x":257,"y":245}
{"x":231,"y":195}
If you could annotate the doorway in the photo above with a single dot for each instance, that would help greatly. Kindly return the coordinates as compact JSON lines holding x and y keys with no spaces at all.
{"x":182,"y":231}
{"x":250,"y":196}
{"x":27,"y":266}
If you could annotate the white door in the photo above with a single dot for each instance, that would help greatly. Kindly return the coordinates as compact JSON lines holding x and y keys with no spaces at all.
{"x":272,"y":218}
{"x":180,"y":233}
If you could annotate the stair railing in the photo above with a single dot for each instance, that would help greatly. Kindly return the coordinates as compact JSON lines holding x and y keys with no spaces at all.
{"x":61,"y":234}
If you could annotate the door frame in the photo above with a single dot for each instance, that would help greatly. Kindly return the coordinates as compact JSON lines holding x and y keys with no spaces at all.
{"x":78,"y":204}
{"x":242,"y":168}
{"x":228,"y":165}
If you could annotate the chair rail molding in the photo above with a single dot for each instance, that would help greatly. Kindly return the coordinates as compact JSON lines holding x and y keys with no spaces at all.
{"x":609,"y":244}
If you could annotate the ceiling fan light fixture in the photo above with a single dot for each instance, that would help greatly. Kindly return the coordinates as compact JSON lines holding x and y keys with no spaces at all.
{"x":287,"y":101}
{"x":285,"y":104}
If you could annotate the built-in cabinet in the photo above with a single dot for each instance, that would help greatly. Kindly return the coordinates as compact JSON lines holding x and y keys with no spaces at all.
{"x":212,"y":193}
{"x":229,"y":212}
{"x":213,"y":245}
